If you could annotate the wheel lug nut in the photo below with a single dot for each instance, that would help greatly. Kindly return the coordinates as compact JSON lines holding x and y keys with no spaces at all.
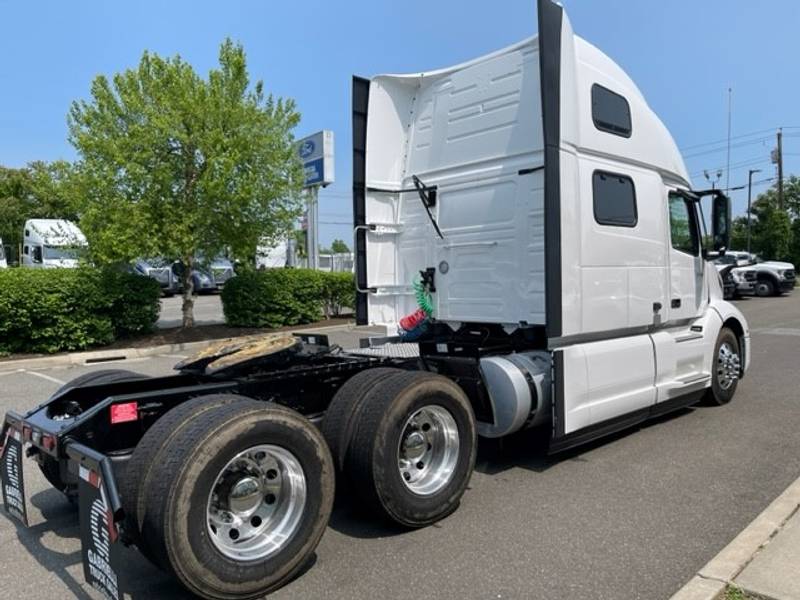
{"x":407,"y":476}
{"x":420,"y":465}
{"x":269,"y":498}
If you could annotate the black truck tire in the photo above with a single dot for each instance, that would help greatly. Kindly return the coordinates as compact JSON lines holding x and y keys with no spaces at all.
{"x":56,"y":474}
{"x":146,"y":452}
{"x":406,"y":420}
{"x":766,"y":287}
{"x":726,"y":363}
{"x":215,"y":461}
{"x":341,"y":415}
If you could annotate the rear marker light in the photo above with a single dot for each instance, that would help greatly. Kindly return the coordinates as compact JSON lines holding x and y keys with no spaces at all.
{"x":48,"y":442}
{"x":124,"y":413}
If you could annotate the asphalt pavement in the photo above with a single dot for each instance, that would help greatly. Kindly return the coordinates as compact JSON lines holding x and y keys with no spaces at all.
{"x":207,"y":311}
{"x":632,"y":516}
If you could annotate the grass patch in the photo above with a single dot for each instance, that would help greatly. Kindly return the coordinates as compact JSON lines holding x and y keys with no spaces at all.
{"x":734,"y":593}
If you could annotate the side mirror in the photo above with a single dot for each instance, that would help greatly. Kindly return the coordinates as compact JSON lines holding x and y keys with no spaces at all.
{"x":721,"y":223}
{"x":37,"y":254}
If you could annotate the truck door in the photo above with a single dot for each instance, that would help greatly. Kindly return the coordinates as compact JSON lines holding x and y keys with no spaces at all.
{"x":686,"y":286}
{"x":681,"y":343}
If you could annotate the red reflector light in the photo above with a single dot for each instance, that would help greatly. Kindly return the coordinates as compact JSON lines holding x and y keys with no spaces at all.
{"x":124,"y":413}
{"x":26,"y":433}
{"x":48,"y":442}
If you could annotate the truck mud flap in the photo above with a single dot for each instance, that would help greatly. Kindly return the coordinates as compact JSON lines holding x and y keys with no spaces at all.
{"x":99,"y":512}
{"x":11,"y":474}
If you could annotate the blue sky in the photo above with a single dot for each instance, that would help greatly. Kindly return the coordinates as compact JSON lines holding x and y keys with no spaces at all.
{"x":683,"y":54}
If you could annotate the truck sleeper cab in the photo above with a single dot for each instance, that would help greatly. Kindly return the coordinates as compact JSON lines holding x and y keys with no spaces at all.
{"x":52,"y":243}
{"x":525,"y":225}
{"x":562,"y":214}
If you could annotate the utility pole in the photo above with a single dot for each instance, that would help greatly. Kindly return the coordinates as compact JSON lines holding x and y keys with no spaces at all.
{"x":780,"y":169}
{"x":728,"y":160}
{"x":749,"y":199}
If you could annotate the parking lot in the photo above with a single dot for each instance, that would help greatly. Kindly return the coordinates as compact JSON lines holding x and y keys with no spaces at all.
{"x":207,"y":311}
{"x":633,"y":516}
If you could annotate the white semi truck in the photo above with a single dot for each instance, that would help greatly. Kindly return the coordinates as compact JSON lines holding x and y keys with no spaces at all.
{"x":525,"y":224}
{"x":52,"y":243}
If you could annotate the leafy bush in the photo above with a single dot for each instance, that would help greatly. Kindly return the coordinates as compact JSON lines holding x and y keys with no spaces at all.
{"x":49,"y":310}
{"x":338,"y":293}
{"x":280,"y":297}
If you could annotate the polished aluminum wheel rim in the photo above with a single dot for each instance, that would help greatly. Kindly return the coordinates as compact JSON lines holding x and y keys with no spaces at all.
{"x":728,"y":366}
{"x":256,"y":503}
{"x":427,"y":453}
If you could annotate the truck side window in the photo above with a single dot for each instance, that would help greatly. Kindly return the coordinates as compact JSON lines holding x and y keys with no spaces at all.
{"x":683,"y":226}
{"x":610,"y":111}
{"x":614,"y":199}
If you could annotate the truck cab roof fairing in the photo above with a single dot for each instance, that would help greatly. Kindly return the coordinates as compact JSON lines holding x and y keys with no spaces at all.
{"x":460,"y":129}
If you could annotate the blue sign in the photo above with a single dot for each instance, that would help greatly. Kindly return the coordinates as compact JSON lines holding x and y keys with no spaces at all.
{"x":316,"y":154}
{"x":314,"y":171}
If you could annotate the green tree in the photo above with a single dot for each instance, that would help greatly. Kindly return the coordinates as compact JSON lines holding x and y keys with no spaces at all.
{"x":772,"y":228}
{"x":179,"y":166}
{"x":339,"y":247}
{"x":39,"y":191}
{"x":739,"y":233}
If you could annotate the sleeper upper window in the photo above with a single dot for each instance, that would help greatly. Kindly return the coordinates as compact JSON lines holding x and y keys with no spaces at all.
{"x":614,"y":199}
{"x":610,"y":111}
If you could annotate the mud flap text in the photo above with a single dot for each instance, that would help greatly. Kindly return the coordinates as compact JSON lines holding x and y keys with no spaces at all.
{"x":12,"y":476}
{"x":99,"y":550}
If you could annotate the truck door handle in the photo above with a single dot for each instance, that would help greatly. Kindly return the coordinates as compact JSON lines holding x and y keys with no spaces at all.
{"x":676,"y":303}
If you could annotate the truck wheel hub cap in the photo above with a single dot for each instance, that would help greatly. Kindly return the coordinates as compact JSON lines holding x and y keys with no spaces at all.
{"x":256,"y":503}
{"x":728,"y":366}
{"x":427,"y":453}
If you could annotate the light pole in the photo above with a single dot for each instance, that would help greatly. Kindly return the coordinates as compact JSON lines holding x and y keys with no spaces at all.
{"x":713,"y":177}
{"x":749,"y":198}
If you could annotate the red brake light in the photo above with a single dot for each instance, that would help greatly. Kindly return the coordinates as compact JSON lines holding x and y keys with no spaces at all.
{"x":48,"y":442}
{"x":124,"y":413}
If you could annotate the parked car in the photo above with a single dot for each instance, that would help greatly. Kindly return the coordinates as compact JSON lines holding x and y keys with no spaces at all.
{"x":772,"y":277}
{"x":736,"y":281}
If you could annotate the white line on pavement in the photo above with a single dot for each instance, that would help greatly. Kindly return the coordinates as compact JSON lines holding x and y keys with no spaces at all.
{"x":14,"y":372}
{"x":174,"y":355}
{"x":47,"y":377}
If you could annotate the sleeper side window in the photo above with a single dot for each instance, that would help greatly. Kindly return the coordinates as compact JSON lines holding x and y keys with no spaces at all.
{"x":683,"y":225}
{"x":610,"y":111}
{"x":614,"y":198}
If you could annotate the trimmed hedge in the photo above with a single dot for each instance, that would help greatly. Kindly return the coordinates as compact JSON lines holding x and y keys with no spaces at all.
{"x":280,"y":297}
{"x":50,"y":310}
{"x":338,"y":293}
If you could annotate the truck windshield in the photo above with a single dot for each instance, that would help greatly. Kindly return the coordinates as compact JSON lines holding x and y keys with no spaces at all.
{"x":62,"y":252}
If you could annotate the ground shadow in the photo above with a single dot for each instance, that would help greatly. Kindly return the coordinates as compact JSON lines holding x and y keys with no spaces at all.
{"x":524,"y":450}
{"x":139,"y":579}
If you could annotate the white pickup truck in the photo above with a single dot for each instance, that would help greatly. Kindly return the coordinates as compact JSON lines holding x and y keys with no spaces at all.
{"x":772,"y":277}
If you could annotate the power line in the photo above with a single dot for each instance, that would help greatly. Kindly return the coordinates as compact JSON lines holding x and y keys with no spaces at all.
{"x":746,"y":163}
{"x":737,"y":137}
{"x":723,"y":148}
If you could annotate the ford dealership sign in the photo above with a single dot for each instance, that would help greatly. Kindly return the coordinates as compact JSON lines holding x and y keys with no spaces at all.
{"x":316,"y":152}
